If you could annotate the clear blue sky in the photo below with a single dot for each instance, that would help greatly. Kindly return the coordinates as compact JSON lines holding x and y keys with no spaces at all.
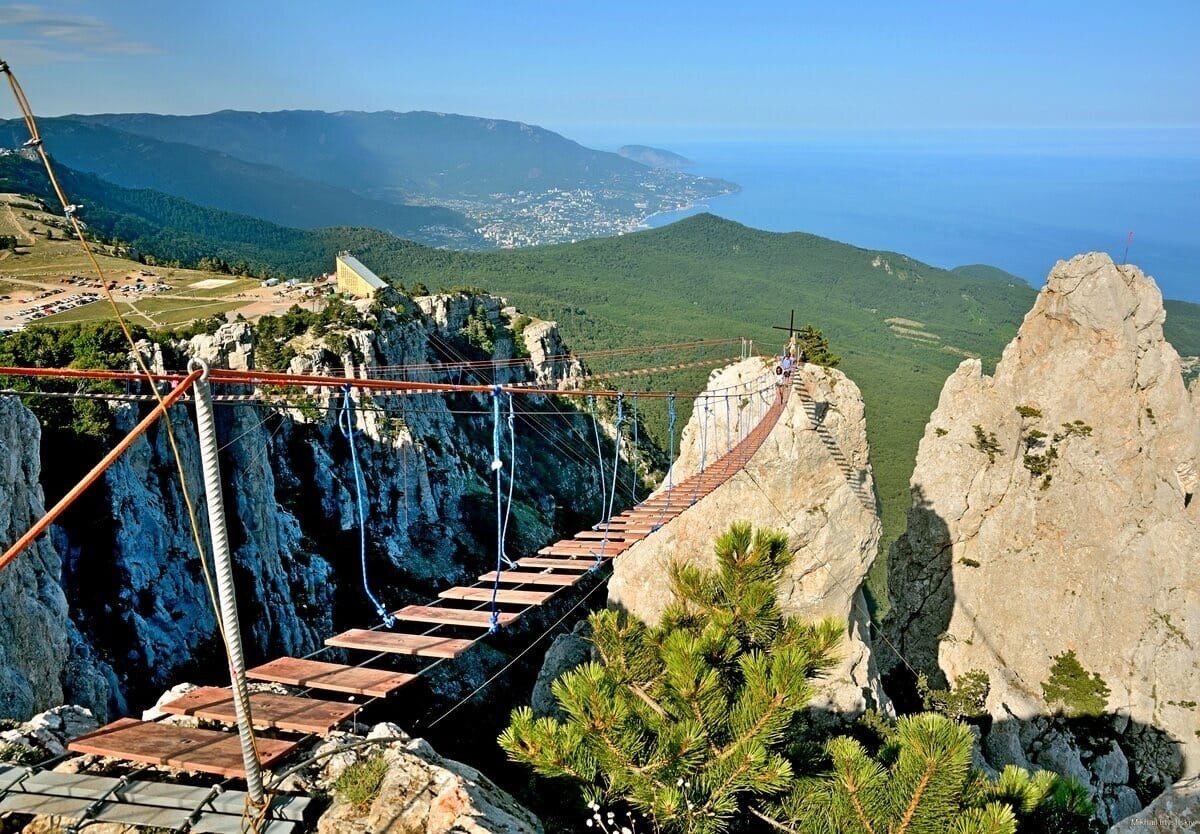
{"x":596,"y":70}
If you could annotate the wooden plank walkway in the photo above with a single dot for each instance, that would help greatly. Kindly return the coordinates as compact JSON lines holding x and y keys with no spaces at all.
{"x":420,"y":645}
{"x":181,"y":748}
{"x":537,"y":579}
{"x":332,"y":677}
{"x":164,"y":805}
{"x":452,"y":616}
{"x":268,"y":709}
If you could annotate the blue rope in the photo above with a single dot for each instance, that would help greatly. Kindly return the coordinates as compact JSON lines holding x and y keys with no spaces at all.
{"x":670,"y":457}
{"x":599,"y":456}
{"x":703,"y":447}
{"x":728,"y":427}
{"x":633,"y":460}
{"x":612,"y":496}
{"x":497,"y":465}
{"x":512,"y":480}
{"x":346,"y":424}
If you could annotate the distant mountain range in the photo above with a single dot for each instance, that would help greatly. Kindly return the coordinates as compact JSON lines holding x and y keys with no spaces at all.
{"x":655,"y":157}
{"x":440,"y":179}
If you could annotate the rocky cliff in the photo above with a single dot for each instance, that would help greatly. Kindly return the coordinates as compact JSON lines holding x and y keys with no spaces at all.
{"x":1052,"y":541}
{"x":42,"y":654}
{"x":809,"y":479}
{"x":119,"y":580}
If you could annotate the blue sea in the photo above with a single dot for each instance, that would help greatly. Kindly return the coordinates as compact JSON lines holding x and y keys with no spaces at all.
{"x":1019,"y":200}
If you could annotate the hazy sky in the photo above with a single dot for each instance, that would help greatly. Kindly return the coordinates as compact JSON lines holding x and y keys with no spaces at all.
{"x":647,"y":68}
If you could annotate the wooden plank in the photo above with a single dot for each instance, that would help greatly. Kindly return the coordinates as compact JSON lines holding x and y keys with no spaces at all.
{"x":332,"y":677}
{"x":161,"y":794}
{"x":267,"y":709}
{"x":419,"y":645}
{"x":521,"y":577}
{"x":452,"y":616}
{"x":485,"y":595}
{"x":608,"y":554}
{"x":580,"y":565}
{"x":181,"y":748}
{"x":611,"y":535}
{"x":584,"y":549}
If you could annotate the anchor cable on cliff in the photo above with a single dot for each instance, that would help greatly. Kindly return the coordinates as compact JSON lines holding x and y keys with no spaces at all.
{"x":346,"y":423}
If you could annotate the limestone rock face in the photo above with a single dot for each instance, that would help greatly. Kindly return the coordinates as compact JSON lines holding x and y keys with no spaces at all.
{"x":1052,"y":512}
{"x":33,"y":609}
{"x":566,"y":652}
{"x":552,"y":363}
{"x":122,"y":582}
{"x":808,"y":480}
{"x":43,"y":658}
{"x":423,"y":793}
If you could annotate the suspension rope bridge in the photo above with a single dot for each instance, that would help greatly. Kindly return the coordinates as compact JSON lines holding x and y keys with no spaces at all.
{"x":438,"y":631}
{"x":260,"y":729}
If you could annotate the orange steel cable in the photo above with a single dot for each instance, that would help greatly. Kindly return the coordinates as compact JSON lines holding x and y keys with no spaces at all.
{"x":226,"y":376}
{"x":96,"y":471}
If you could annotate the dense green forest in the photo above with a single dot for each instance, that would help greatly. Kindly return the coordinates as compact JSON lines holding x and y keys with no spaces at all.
{"x":899,"y":325}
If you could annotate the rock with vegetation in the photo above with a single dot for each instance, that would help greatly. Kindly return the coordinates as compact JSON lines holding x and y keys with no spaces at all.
{"x":46,"y":734}
{"x":404,"y":787}
{"x":1052,"y":537}
{"x":699,"y":722}
{"x":811,"y":478}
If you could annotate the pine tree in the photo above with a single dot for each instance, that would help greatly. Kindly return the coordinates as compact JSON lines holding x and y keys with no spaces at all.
{"x":920,"y":782}
{"x":687,"y":720}
{"x":813,"y":345}
{"x":694,"y":723}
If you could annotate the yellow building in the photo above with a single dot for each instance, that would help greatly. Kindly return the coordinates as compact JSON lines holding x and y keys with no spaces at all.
{"x":355,"y":279}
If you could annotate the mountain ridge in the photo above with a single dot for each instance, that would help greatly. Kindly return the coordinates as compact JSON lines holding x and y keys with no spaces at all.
{"x":222,"y":181}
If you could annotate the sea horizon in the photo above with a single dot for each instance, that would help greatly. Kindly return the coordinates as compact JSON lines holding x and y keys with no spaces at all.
{"x":1020,"y":200}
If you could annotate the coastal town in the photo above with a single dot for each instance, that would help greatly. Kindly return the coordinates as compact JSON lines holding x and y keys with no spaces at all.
{"x":558,"y":215}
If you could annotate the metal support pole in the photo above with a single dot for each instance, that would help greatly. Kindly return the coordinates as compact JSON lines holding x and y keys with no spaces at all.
{"x":207,"y":432}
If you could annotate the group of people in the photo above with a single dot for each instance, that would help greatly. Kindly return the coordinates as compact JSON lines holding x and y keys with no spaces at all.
{"x":790,"y":359}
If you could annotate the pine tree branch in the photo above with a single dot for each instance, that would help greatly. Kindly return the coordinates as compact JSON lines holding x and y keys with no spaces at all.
{"x":767,"y":715}
{"x":774,"y":823}
{"x":926,"y":777}
{"x":650,"y":702}
{"x":859,"y":811}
